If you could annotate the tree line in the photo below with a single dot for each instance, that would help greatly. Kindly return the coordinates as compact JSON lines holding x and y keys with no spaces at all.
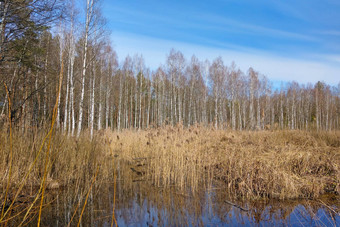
{"x":99,"y":93}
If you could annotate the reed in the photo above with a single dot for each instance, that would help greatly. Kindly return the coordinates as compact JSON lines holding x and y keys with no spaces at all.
{"x":71,"y":162}
{"x":263,"y":164}
{"x":248,"y":165}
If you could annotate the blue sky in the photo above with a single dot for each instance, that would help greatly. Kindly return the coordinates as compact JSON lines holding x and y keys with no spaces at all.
{"x":282,"y":39}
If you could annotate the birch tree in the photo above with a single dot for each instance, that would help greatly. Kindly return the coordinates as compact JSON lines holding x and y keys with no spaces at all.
{"x":93,"y":33}
{"x":89,"y":26}
{"x":217,"y":76}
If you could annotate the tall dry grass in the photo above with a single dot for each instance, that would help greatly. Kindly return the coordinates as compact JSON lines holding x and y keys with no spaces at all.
{"x":72,"y":162}
{"x":262,"y":164}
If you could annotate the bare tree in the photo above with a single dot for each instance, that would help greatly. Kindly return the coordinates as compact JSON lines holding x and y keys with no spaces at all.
{"x":93,"y":32}
{"x":218,"y":76}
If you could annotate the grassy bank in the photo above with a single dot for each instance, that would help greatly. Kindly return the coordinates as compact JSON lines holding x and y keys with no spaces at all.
{"x":263,"y":164}
{"x":278,"y":164}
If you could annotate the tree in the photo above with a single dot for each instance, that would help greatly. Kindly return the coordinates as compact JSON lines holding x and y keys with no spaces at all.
{"x":176,"y":66}
{"x":93,"y":31}
{"x":20,"y":17}
{"x":233,"y":84}
{"x":253,"y":91}
{"x":194,"y":72}
{"x":218,"y":76}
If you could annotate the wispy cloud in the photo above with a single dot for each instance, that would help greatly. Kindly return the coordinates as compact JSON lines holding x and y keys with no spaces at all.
{"x":275,"y":67}
{"x":285,"y":40}
{"x":330,"y":32}
{"x":204,"y":22}
{"x":223,"y":22}
{"x":332,"y":58}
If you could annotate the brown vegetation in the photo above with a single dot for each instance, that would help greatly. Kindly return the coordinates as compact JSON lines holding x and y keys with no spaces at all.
{"x":277,"y":164}
{"x":247,"y":165}
{"x":93,"y":92}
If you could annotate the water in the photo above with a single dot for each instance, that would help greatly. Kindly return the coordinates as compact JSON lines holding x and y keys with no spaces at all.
{"x":137,"y":202}
{"x":141,"y":204}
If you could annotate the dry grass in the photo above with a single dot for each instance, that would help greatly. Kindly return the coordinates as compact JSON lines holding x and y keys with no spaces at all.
{"x":71,"y":159}
{"x":263,"y":164}
{"x":63,"y":163}
{"x":279,"y":164}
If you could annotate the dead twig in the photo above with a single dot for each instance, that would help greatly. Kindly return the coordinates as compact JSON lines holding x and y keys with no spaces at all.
{"x":235,"y":205}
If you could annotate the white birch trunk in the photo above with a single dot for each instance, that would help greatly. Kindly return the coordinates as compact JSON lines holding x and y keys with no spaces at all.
{"x":67,"y":96}
{"x":59,"y":93}
{"x":233,"y":120}
{"x":71,"y":109}
{"x":120,"y":101}
{"x":89,"y":8}
{"x":216,"y":109}
{"x":179,"y":106}
{"x":99,"y":124}
{"x":163,"y":98}
{"x":149,"y":106}
{"x":258,"y":113}
{"x":140,"y":100}
{"x":136,"y":103}
{"x":92,"y":104}
{"x":107,"y":102}
{"x":251,"y":110}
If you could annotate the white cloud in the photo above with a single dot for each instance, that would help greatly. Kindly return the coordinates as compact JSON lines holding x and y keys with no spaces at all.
{"x":276,"y":68}
{"x":231,"y":25}
{"x":330,"y":32}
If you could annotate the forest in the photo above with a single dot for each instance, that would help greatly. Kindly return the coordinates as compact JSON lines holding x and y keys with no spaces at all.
{"x":99,"y":93}
{"x":77,"y":119}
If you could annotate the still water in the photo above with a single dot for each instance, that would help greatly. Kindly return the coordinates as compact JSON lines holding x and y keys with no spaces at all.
{"x":141,"y":204}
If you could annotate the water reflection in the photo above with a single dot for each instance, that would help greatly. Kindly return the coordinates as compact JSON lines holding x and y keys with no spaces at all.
{"x":141,"y":204}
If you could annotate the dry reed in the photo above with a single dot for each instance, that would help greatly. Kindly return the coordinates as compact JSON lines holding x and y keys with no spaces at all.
{"x":278,"y":164}
{"x":262,"y":164}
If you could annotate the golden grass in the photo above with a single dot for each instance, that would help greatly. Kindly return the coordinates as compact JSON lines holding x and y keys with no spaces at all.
{"x":10,"y":153}
{"x":68,"y":164}
{"x":263,"y":164}
{"x":252,"y":165}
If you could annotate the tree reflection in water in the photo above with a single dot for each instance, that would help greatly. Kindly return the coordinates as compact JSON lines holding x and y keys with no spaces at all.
{"x":141,"y":204}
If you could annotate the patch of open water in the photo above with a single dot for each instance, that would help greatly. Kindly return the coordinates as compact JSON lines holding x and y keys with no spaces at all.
{"x":141,"y":204}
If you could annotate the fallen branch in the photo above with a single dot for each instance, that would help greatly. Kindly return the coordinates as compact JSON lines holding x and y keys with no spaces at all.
{"x":235,"y":205}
